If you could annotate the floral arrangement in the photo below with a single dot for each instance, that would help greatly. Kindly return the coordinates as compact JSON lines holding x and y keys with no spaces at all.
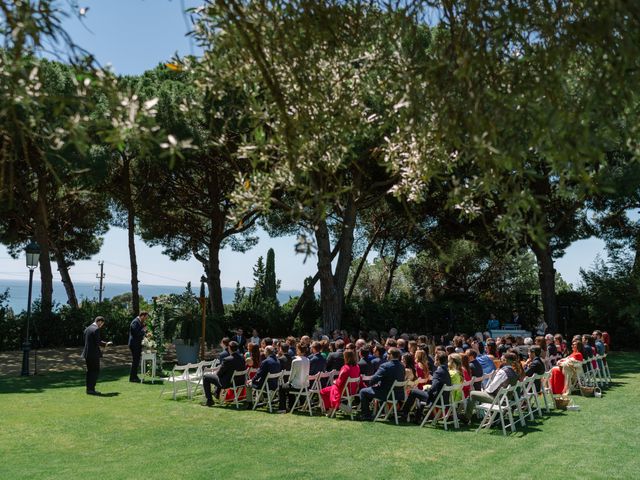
{"x":148,"y":341}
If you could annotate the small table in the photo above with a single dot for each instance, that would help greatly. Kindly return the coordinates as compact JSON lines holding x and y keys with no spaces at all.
{"x":146,"y":356}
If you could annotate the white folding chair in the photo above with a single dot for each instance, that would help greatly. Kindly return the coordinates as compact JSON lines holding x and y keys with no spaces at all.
{"x":441,"y":410}
{"x":195,"y":378}
{"x":545,"y":389}
{"x":390,"y":404}
{"x":238,"y":383}
{"x":498,"y":409}
{"x":530,"y":396}
{"x":305,"y":392}
{"x":266,"y":392}
{"x":605,"y":364}
{"x":284,"y":378}
{"x":179,"y":374}
{"x":348,"y":396}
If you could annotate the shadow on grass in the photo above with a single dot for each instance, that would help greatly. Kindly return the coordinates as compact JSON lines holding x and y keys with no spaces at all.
{"x":72,"y":379}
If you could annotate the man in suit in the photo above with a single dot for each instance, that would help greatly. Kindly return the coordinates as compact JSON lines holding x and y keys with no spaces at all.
{"x":381,"y":383}
{"x":240,"y":340}
{"x":317,"y":363}
{"x":92,"y":353}
{"x":223,"y":378}
{"x":378,"y":357}
{"x":366,"y":368}
{"x":335,"y":360}
{"x":269,"y":365}
{"x":534,"y":365}
{"x":224,"y":344}
{"x":137,"y":331}
{"x":439,"y":379}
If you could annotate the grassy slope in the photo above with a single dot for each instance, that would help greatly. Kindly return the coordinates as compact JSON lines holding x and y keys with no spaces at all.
{"x":50,"y":429}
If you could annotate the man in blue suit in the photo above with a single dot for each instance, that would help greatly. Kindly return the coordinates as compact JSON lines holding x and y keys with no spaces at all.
{"x":381,"y":383}
{"x":269,"y":365}
{"x":137,"y":331}
{"x":439,"y":379}
{"x":92,"y":353}
{"x":317,"y":363}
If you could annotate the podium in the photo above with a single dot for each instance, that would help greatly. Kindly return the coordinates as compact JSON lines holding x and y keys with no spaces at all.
{"x":148,"y":357}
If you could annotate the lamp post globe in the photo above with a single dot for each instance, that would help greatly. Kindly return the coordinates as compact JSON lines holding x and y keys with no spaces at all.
{"x":33,"y":256}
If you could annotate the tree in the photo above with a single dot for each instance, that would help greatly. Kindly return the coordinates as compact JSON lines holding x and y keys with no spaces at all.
{"x":271,"y":286}
{"x":186,"y":209}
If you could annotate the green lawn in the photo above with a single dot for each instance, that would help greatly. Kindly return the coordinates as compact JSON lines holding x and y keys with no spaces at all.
{"x":50,"y":429}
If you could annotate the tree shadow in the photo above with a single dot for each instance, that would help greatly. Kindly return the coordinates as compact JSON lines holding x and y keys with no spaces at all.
{"x":71,"y":379}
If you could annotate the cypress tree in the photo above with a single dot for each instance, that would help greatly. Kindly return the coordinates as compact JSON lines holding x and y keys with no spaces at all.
{"x":270,"y":284}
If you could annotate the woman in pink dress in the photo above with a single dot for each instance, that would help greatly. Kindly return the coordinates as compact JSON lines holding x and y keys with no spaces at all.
{"x":331,"y":395}
{"x":557,"y":380}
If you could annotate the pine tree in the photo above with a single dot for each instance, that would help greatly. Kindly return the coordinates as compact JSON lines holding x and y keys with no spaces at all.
{"x":271,"y":286}
{"x":257,"y":294}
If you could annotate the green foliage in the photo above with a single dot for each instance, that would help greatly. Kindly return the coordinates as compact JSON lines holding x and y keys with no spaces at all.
{"x":271,"y":285}
{"x":182,"y":315}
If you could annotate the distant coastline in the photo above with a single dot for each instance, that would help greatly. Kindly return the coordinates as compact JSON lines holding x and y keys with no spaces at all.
{"x":19,"y":289}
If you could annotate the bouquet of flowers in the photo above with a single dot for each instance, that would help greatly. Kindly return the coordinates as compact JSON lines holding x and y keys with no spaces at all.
{"x":148,"y":343}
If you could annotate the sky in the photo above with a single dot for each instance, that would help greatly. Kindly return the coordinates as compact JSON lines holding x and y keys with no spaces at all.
{"x":133,"y":36}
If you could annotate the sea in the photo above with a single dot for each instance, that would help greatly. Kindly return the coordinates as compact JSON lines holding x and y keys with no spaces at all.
{"x":19,"y":292}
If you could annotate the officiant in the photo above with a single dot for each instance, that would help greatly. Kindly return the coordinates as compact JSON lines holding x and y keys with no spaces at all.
{"x":137,"y":331}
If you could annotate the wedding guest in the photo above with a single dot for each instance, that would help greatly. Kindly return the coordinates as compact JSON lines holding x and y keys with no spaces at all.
{"x":422,"y":366}
{"x":223,"y":378}
{"x":503,"y":378}
{"x":378,"y":357}
{"x":255,"y":338}
{"x":137,"y":331}
{"x":317,"y":362}
{"x":253,"y":355}
{"x":335,"y":360}
{"x":298,"y":379}
{"x":92,"y":353}
{"x":455,"y":373}
{"x":534,"y":365}
{"x":439,"y":379}
{"x":269,"y":365}
{"x":381,"y":383}
{"x":284,"y":357}
{"x":330,"y":396}
{"x":325,"y":347}
{"x":240,"y":340}
{"x":409,"y":367}
{"x":557,"y":379}
{"x":224,"y":345}
{"x":366,"y":367}
{"x":475,"y":368}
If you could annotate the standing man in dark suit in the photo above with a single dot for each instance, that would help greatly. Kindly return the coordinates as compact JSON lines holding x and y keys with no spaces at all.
{"x":224,"y":376}
{"x":381,"y":383}
{"x":137,"y":331}
{"x":439,"y":379}
{"x":92,"y":353}
{"x":335,"y":360}
{"x":240,"y":340}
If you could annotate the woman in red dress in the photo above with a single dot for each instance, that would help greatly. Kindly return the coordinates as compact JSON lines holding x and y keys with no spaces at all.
{"x":557,"y":376}
{"x":331,"y":395}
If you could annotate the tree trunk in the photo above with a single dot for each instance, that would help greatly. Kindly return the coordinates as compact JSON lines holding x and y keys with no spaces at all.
{"x":213,"y":280}
{"x":131,"y":228}
{"x":332,"y":286}
{"x":330,"y":300}
{"x":392,"y":270}
{"x":42,"y":237}
{"x":547,"y":280}
{"x":363,"y":260}
{"x":63,"y":268}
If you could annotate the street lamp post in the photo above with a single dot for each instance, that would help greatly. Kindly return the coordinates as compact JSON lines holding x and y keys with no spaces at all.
{"x":203,"y":303}
{"x":33,"y":255}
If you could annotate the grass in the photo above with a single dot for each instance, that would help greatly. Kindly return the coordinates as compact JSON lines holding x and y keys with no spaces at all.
{"x":50,"y":429}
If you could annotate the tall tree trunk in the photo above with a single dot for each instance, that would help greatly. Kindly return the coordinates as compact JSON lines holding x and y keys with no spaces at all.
{"x":42,"y":237}
{"x":63,"y":268}
{"x":547,"y":281}
{"x":213,"y":280}
{"x":131,"y":229}
{"x":332,"y":286}
{"x":392,"y":269}
{"x":363,"y":260}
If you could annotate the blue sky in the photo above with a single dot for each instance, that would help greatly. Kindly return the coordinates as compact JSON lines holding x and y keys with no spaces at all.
{"x":135,"y":35}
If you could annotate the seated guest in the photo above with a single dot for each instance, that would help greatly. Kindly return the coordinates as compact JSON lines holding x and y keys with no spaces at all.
{"x":335,"y":360}
{"x":381,"y":383}
{"x":234,"y":362}
{"x":409,"y":367}
{"x":224,"y":344}
{"x":475,"y":368}
{"x":326,"y":347}
{"x":503,"y":378}
{"x":517,"y":366}
{"x":454,"y":364}
{"x":317,"y":362}
{"x":559,"y":382}
{"x":534,"y":365}
{"x":284,"y":358}
{"x":378,"y":357}
{"x":559,"y":343}
{"x":330,"y":395}
{"x":366,"y":367}
{"x":552,"y":350}
{"x":439,"y":379}
{"x":487,"y":361}
{"x":252,"y":357}
{"x":269,"y":365}
{"x":413,"y":347}
{"x":422,"y":366}
{"x":401,"y":345}
{"x":298,"y":379}
{"x":466,"y":374}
